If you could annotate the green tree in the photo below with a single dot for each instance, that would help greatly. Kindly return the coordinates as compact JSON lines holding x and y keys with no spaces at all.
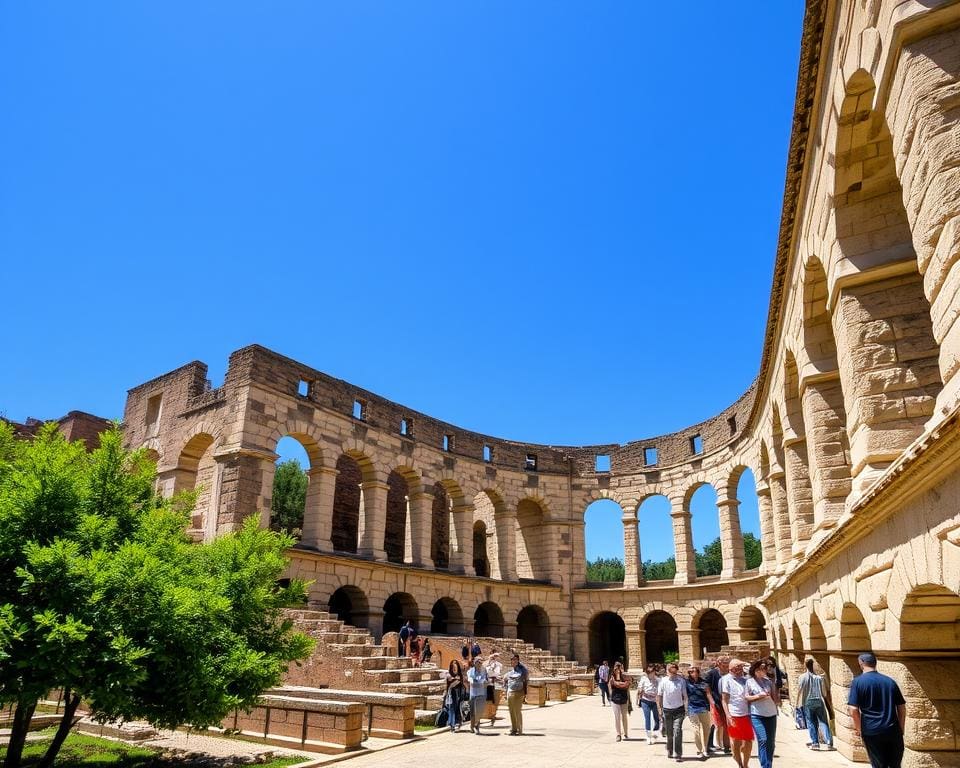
{"x":665,"y":569}
{"x":710,"y":560}
{"x":289,"y":498}
{"x":102,"y":594}
{"x":605,"y":570}
{"x":752,"y":551}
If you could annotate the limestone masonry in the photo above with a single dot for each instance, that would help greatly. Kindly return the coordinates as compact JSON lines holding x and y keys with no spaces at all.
{"x":852,"y":431}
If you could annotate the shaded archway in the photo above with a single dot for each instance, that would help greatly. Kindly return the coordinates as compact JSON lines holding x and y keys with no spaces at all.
{"x":349,"y":605}
{"x":854,"y":635}
{"x":399,"y":608}
{"x":797,"y":463}
{"x":930,"y":620}
{"x":197,"y":470}
{"x":447,"y":617}
{"x":398,"y":500}
{"x":533,"y":626}
{"x":608,"y":638}
{"x":488,"y":620}
{"x":490,"y":510}
{"x":532,"y":559}
{"x":346,"y":505}
{"x":660,"y":637}
{"x":752,"y":624}
{"x":713,"y":631}
{"x":481,"y":563}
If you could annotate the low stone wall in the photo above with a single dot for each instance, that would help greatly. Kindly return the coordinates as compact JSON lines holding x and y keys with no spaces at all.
{"x":581,"y":684}
{"x":386,"y":715}
{"x":557,"y":689}
{"x":330,"y":727}
{"x":536,"y":692}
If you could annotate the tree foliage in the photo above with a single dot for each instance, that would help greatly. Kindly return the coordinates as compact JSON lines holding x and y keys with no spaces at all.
{"x":709,"y":560}
{"x":605,"y":569}
{"x":289,"y":498}
{"x":103,"y":595}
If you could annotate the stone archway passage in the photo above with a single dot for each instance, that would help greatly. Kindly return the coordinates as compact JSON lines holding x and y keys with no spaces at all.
{"x":350,"y":606}
{"x":533,"y":626}
{"x":660,"y":631}
{"x":608,"y":639}
{"x":753,"y":626}
{"x":488,"y":620}
{"x":447,"y":617}
{"x":713,"y":631}
{"x":399,"y":608}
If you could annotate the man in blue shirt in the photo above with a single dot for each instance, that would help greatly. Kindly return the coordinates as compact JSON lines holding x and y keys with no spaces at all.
{"x":879,"y":714}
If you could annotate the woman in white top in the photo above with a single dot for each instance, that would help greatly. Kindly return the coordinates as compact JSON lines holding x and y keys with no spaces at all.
{"x":647,"y":700}
{"x":764,"y":697}
{"x":494,"y":692}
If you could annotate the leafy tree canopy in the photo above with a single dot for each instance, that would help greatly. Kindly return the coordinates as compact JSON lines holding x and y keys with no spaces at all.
{"x":289,"y":498}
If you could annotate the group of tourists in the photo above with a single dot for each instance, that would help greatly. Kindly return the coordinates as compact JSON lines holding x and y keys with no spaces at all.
{"x":413,"y":645}
{"x":475,"y":688}
{"x":733,"y":704}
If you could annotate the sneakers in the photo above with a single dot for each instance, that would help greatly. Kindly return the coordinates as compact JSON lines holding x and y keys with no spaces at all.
{"x":618,"y":737}
{"x":814,"y":746}
{"x":649,"y":739}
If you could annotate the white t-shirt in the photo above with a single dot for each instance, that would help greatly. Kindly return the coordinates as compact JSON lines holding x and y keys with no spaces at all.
{"x":674,"y":692}
{"x":647,"y":688}
{"x":761,"y":707}
{"x":735,"y":687}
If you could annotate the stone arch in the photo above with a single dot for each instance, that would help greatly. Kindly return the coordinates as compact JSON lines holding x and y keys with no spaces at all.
{"x":782,"y":639}
{"x":607,"y":515}
{"x":347,"y":503}
{"x":285,"y":513}
{"x":533,"y":626}
{"x":349,"y":604}
{"x":654,"y":524}
{"x":481,"y":561}
{"x":930,"y":619}
{"x":447,"y":617}
{"x":488,"y":620}
{"x":399,"y":608}
{"x":306,"y":435}
{"x":854,"y":634}
{"x":197,"y":470}
{"x":490,"y":509}
{"x":532,"y":553}
{"x":402,"y":483}
{"x":797,"y":464}
{"x":700,"y":502}
{"x":608,"y":638}
{"x":741,"y":487}
{"x":818,"y":637}
{"x":712,"y":627}
{"x":660,"y":636}
{"x":441,"y":521}
{"x":779,"y":493}
{"x":752,"y":624}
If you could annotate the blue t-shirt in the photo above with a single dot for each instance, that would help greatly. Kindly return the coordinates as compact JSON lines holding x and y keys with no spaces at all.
{"x":697,"y":697}
{"x":877,"y":697}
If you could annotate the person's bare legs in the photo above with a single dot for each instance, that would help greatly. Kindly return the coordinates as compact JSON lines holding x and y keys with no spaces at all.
{"x":741,"y":751}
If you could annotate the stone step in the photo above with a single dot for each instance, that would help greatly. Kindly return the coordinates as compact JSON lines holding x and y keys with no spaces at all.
{"x":358,"y":649}
{"x":381,"y":662}
{"x":300,"y":614}
{"x":411,"y":675}
{"x":343,"y":638}
{"x":420,"y":688}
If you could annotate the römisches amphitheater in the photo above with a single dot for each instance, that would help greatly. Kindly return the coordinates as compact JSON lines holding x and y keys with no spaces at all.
{"x":852,"y":430}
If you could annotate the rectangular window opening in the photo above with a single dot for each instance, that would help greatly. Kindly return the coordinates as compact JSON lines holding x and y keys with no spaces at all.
{"x":530,"y":462}
{"x":650,"y":457}
{"x":153,"y":415}
{"x":487,"y":453}
{"x":696,"y":444}
{"x":448,"y":442}
{"x":732,"y":421}
{"x":601,"y":462}
{"x":405,"y":426}
{"x":303,"y":388}
{"x":359,"y":409}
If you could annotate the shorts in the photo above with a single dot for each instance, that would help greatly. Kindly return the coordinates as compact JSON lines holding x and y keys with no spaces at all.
{"x":741,"y":728}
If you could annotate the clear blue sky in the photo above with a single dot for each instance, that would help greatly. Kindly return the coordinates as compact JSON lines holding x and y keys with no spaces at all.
{"x":552,"y":222}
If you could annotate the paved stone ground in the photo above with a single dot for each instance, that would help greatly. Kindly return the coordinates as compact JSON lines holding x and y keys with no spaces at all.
{"x":578,"y":733}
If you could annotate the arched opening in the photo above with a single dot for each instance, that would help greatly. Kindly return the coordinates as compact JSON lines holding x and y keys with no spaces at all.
{"x":608,"y":638}
{"x":797,"y":467}
{"x":796,"y":638}
{"x":532,"y":560}
{"x":488,"y":620}
{"x":197,"y":469}
{"x":399,"y":608}
{"x":779,"y":493}
{"x":661,"y":641}
{"x":533,"y":626}
{"x":288,"y":499}
{"x":705,"y":526}
{"x":440,"y":528}
{"x":349,"y":605}
{"x":395,"y":533}
{"x":603,"y":541}
{"x":818,"y":646}
{"x":447,"y":617}
{"x":489,"y":509}
{"x":713,"y":631}
{"x":930,"y":620}
{"x":854,"y":635}
{"x":782,"y":639}
{"x":748,"y":509}
{"x":655,"y":528}
{"x":753,"y":625}
{"x":854,"y":639}
{"x":481,"y":563}
{"x":346,"y":505}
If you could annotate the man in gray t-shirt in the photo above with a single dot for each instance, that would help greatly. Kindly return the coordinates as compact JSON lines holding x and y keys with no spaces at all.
{"x":812,"y":699}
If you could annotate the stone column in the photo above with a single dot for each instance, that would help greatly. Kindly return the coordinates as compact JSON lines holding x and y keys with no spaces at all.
{"x":689,"y":642}
{"x":635,"y":650}
{"x":373,"y":519}
{"x":641,"y":641}
{"x":683,"y":545}
{"x":461,"y":539}
{"x":245,"y":487}
{"x":781,"y":514}
{"x":767,"y":536}
{"x":845,"y":740}
{"x":633,"y":574}
{"x":506,"y":524}
{"x":799,"y":493}
{"x":420,"y":521}
{"x":827,"y":447}
{"x":318,"y":509}
{"x":731,"y":538}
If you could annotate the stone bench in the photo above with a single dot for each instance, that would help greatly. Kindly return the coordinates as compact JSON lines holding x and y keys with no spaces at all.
{"x":330,"y":727}
{"x":557,"y":689}
{"x":581,"y":683}
{"x":536,"y":691}
{"x":386,"y":715}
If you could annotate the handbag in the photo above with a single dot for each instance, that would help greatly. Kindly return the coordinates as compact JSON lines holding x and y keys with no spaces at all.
{"x":629,"y":705}
{"x":490,"y":693}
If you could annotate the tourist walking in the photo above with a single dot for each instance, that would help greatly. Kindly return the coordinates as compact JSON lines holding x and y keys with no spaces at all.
{"x":721,"y":739}
{"x":515,"y":684}
{"x":603,"y":678}
{"x":620,"y":700}
{"x":478,"y":678}
{"x":455,"y":691}
{"x":494,"y":692}
{"x":879,"y":714}
{"x":764,"y":697}
{"x":426,"y":652}
{"x":812,"y":698}
{"x":647,"y":687}
{"x":672,"y":703}
{"x":699,"y":702}
{"x":474,"y":649}
{"x":402,"y":637}
{"x":736,"y":708}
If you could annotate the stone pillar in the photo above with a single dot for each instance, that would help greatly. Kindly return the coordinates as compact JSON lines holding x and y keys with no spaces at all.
{"x":641,"y":640}
{"x":461,"y":539}
{"x":767,"y":536}
{"x":318,"y":509}
{"x":633,"y":573}
{"x":689,"y":641}
{"x":506,"y":524}
{"x":799,"y":494}
{"x":420,"y":522}
{"x":635,"y":650}
{"x":731,"y":537}
{"x":827,"y":447}
{"x":373,"y":519}
{"x":683,"y":545}
{"x":888,"y":363}
{"x":245,"y":487}
{"x":845,"y":740}
{"x":781,"y":514}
